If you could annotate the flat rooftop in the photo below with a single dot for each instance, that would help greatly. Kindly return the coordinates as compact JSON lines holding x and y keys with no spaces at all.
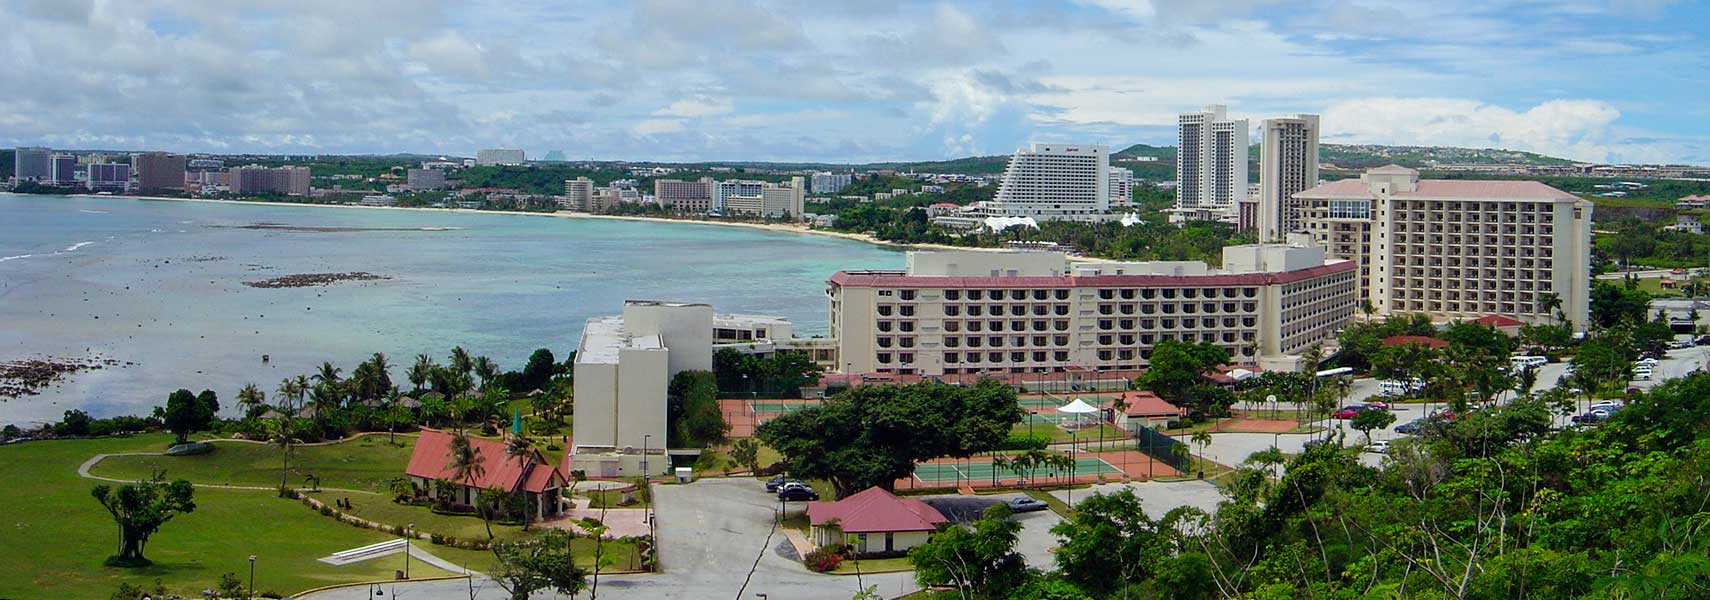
{"x":603,"y":338}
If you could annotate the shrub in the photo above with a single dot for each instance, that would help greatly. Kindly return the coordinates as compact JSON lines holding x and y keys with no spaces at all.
{"x":1025,"y":441}
{"x":824,"y":559}
{"x":230,"y":586}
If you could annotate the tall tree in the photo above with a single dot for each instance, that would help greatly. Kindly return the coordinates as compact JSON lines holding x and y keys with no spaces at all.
{"x":692,"y":413}
{"x":421,"y":372}
{"x":460,"y":360}
{"x":544,"y":562}
{"x":1110,"y":544}
{"x":139,"y":509}
{"x":873,"y":435}
{"x":978,"y":560}
{"x":485,"y":370}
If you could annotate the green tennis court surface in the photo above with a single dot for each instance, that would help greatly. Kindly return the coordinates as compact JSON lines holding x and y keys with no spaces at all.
{"x":1038,"y":402}
{"x":982,"y":471}
{"x":1055,"y":418}
{"x":778,"y":407}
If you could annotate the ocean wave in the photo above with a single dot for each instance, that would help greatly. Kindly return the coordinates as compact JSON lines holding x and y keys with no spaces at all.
{"x":74,"y":247}
{"x":93,"y":212}
{"x":6,"y":258}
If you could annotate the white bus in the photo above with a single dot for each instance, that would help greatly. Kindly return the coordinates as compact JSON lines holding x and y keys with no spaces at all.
{"x":1393,"y":388}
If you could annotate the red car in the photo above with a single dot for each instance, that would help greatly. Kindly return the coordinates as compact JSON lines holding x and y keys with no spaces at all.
{"x":1348,"y":412}
{"x":1378,"y":404}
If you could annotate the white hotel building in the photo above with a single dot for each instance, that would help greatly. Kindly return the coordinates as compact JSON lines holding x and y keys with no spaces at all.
{"x":1211,"y":163}
{"x":1458,"y":248}
{"x":1288,"y":165}
{"x":1055,"y":181}
{"x":1027,"y":312}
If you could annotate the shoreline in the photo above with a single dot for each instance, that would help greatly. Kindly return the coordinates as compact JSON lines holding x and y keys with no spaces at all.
{"x":773,"y":227}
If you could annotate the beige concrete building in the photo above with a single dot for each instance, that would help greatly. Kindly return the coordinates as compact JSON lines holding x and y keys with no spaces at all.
{"x":256,"y":179}
{"x":1027,"y":312}
{"x":684,"y":196}
{"x":578,"y":195}
{"x":624,"y":365}
{"x":1211,"y":161}
{"x":1458,"y":248}
{"x":1288,"y":164}
{"x":159,"y":171}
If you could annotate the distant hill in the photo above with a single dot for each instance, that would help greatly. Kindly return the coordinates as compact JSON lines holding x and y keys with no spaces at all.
{"x":1361,"y":156}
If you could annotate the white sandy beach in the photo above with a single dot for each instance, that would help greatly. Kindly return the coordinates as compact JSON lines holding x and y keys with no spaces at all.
{"x":778,"y":227}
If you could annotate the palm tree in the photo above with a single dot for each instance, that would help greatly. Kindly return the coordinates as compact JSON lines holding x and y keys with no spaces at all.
{"x":1367,"y":308}
{"x":251,"y":399}
{"x":460,"y":360}
{"x":519,"y":448}
{"x":421,"y":372}
{"x":486,"y":369}
{"x":302,"y":388}
{"x":281,"y":436}
{"x":287,"y":391}
{"x":466,"y":468}
{"x":382,"y":369}
{"x":1201,"y":438}
{"x":1552,"y":303}
{"x":327,"y":374}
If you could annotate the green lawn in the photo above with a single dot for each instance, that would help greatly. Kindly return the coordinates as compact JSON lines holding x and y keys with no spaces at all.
{"x":366,"y":463}
{"x":57,"y":536}
{"x":384,"y":510}
{"x":1058,"y":434}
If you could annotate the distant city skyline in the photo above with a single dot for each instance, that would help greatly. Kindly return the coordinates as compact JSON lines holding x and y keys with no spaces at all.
{"x":848,"y":82}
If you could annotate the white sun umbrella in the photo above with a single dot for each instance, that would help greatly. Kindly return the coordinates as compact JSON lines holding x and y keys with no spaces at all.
{"x":1077,"y":407}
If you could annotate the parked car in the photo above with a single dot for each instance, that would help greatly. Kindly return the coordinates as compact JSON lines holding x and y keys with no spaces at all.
{"x":1703,"y":340}
{"x":1641,"y":375}
{"x":1022,"y":505}
{"x":1412,"y":427}
{"x":1591,"y":416}
{"x":1348,"y":412}
{"x":776,"y":482}
{"x":1380,"y":447}
{"x":797,"y":492}
{"x":1679,"y":344}
{"x":1648,"y":361}
{"x":1378,"y":404}
{"x":1609,"y":405}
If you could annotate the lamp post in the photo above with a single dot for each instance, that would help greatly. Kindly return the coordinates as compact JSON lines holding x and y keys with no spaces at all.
{"x":409,"y":532}
{"x":1072,"y":461}
{"x":251,"y":590}
{"x":644,"y":439}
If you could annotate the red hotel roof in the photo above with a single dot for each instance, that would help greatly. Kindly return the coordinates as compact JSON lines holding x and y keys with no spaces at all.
{"x":431,"y":459}
{"x":875,"y":510}
{"x":1499,"y":321}
{"x":1431,"y":342}
{"x":901,"y":279}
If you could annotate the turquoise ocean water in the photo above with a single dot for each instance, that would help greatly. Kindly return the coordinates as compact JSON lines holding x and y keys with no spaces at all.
{"x":160,"y":283}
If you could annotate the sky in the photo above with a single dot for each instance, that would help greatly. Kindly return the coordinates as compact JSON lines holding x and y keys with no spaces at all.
{"x":846,"y":80}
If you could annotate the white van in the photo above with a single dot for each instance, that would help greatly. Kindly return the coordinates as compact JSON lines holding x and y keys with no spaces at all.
{"x":1393,"y":388}
{"x":1527,"y":362}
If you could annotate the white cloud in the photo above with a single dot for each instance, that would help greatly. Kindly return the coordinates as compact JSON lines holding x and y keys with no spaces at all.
{"x":658,"y":126}
{"x":697,"y":106}
{"x":1577,"y":129}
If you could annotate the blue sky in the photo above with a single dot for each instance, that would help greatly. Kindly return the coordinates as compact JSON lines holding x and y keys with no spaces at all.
{"x":846,"y":81}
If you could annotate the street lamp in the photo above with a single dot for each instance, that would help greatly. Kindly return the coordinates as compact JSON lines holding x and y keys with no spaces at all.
{"x":409,"y":532}
{"x":1072,"y":461}
{"x":644,"y":440}
{"x":251,"y":590}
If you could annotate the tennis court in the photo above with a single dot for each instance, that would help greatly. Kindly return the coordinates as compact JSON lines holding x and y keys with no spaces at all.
{"x":949,"y":472}
{"x":1054,"y":418}
{"x":778,"y":407}
{"x":1040,"y":402}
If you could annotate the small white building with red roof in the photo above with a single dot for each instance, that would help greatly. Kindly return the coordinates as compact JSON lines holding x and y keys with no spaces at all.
{"x":530,"y":474}
{"x":1142,"y":409}
{"x":873,"y":521}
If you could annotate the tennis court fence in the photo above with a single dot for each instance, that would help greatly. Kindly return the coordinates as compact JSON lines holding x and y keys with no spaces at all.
{"x":1161,"y":448}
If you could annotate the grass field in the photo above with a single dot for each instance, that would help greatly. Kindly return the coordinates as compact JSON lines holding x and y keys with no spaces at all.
{"x":57,"y":535}
{"x":1059,"y":434}
{"x":366,"y":463}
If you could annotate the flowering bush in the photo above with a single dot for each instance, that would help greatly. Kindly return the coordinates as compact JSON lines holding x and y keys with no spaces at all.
{"x":825,"y":559}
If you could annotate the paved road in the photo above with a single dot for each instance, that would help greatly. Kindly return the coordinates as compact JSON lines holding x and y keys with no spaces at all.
{"x":709,"y":535}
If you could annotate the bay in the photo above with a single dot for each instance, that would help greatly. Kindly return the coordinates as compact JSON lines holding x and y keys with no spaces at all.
{"x":161,"y":284}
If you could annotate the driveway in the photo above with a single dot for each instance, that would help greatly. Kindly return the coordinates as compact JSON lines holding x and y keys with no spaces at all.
{"x":710,"y":533}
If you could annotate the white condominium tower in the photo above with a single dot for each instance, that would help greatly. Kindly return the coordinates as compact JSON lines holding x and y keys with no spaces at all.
{"x":1288,"y":165}
{"x":1121,"y":187}
{"x":1211,"y":160}
{"x":1055,"y":181}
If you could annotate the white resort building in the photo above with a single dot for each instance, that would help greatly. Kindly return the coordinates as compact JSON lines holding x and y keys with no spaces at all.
{"x":1055,"y":181}
{"x":965,"y":312}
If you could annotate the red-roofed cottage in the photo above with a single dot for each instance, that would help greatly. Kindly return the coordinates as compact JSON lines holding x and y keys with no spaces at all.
{"x":873,"y":521}
{"x":539,"y":482}
{"x":1142,"y":409}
